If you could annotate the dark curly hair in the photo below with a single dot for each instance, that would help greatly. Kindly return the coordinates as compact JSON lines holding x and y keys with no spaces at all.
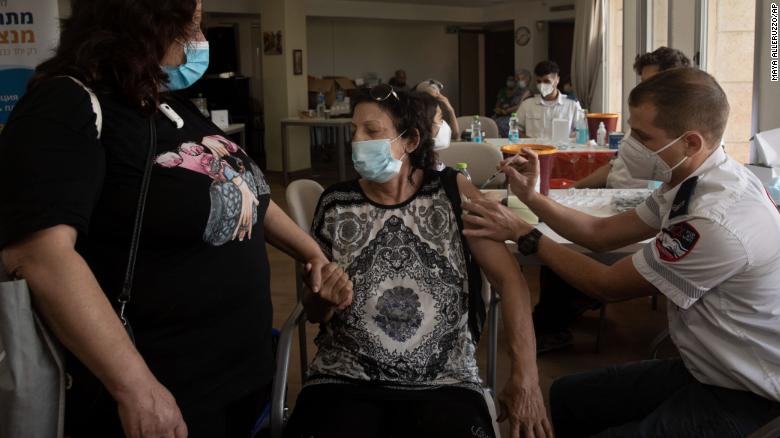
{"x":545,"y":68}
{"x":118,"y":45}
{"x":413,"y":115}
{"x":664,"y":57}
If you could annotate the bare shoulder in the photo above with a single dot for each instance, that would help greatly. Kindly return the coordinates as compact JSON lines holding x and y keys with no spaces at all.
{"x":468,"y":189}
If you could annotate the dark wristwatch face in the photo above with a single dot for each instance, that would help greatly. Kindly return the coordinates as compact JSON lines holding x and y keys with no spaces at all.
{"x":528,"y":244}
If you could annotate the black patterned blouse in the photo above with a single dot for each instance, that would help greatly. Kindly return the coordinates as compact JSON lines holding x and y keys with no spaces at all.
{"x":408,"y":324}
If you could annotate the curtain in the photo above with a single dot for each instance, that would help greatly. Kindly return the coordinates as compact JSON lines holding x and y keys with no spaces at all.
{"x":588,"y":53}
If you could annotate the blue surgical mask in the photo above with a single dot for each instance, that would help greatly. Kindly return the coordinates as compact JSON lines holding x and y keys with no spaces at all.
{"x":197,"y":61}
{"x":373,"y":159}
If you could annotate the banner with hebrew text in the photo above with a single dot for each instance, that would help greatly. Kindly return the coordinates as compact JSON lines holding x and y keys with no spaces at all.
{"x":29,"y":31}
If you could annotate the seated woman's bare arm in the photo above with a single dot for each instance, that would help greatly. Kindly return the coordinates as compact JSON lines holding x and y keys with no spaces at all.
{"x":521,"y":398}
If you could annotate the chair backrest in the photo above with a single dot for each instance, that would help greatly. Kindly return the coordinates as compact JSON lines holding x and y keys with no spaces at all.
{"x":302,"y":196}
{"x":488,"y":125}
{"x":483,"y":160}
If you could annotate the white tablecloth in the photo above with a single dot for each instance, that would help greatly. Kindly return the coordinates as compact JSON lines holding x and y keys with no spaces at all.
{"x":596,"y":202}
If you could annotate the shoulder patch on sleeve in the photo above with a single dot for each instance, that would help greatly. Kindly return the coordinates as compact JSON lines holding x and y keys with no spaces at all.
{"x":683,"y":198}
{"x":676,"y":241}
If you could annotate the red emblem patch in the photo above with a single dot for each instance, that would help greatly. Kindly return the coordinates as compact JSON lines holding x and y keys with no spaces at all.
{"x":676,"y":242}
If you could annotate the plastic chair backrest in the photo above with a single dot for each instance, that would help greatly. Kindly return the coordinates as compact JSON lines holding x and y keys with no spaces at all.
{"x":488,"y":125}
{"x":302,"y":197}
{"x":483,"y":160}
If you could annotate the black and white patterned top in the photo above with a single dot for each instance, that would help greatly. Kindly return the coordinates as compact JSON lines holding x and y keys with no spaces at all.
{"x":408,"y":324}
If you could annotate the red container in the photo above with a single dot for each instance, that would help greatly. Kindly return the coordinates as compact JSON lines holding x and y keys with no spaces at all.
{"x":610,"y":122}
{"x":546,"y":154}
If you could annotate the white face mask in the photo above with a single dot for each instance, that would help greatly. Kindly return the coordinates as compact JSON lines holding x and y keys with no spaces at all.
{"x":546,"y":89}
{"x":374,"y":161}
{"x":521,"y":84}
{"x":443,"y":137}
{"x":642,"y":163}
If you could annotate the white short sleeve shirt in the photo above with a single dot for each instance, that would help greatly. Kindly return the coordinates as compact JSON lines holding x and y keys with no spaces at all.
{"x":717,"y":259}
{"x":537,"y":114}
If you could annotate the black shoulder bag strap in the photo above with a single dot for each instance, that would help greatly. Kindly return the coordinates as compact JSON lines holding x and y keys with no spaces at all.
{"x":127,"y":285}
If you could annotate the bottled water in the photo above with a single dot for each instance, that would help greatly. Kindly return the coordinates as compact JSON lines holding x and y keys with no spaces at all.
{"x":581,"y":127}
{"x":476,"y":130}
{"x":464,"y":169}
{"x":514,"y":129}
{"x":321,"y":105}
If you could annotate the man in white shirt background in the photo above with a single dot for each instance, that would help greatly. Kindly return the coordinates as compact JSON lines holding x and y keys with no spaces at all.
{"x":714,"y":255}
{"x":536,"y":114}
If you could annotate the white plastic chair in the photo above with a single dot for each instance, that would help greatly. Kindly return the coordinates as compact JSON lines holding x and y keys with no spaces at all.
{"x":483,"y":160}
{"x":488,"y":125}
{"x":302,"y":197}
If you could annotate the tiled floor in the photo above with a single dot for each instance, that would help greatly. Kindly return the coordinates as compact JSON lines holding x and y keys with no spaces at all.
{"x":628,"y":330}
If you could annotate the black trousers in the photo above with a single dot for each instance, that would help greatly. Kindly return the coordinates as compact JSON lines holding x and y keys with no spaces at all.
{"x":99,"y":418}
{"x":657,"y":398}
{"x":355,"y":410}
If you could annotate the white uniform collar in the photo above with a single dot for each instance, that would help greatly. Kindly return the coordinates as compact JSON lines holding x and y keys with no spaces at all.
{"x":559,"y":101}
{"x":717,"y":157}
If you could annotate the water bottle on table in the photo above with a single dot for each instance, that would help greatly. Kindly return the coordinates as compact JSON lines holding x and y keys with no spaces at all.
{"x":581,"y":127}
{"x":514,"y":129}
{"x":463,"y":168}
{"x":476,"y":130}
{"x":321,"y":106}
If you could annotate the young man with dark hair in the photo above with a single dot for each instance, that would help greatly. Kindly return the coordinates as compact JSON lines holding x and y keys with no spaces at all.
{"x":537,"y":114}
{"x":660,"y":59}
{"x":713,"y":254}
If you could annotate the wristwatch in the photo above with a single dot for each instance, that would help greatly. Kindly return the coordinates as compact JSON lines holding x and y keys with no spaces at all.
{"x":528,"y":244}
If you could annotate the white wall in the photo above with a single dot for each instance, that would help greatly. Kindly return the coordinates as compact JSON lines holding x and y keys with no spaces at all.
{"x":527,"y":13}
{"x":284,"y":93}
{"x":393,"y":11}
{"x":682,"y":14}
{"x":353,"y":47}
{"x":64,"y":8}
{"x":232,"y":6}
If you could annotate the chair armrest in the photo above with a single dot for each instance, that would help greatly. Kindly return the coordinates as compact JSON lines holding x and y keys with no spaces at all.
{"x":279,"y":385}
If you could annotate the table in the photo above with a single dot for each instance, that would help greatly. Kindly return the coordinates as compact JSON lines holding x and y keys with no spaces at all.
{"x":341,"y":126}
{"x":568,"y":156}
{"x":597,"y":202}
{"x":237,"y":128}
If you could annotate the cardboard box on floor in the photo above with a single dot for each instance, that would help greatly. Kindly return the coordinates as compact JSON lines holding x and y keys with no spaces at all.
{"x":328,"y":86}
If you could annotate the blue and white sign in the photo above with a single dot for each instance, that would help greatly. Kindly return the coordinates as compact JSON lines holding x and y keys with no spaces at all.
{"x":29,"y":31}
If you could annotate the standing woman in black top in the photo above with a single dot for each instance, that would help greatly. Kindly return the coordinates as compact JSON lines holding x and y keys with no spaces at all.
{"x":200,"y":308}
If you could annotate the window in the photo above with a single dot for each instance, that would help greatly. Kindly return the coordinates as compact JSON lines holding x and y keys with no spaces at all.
{"x":730,"y":42}
{"x":660,"y":23}
{"x":615,"y":56}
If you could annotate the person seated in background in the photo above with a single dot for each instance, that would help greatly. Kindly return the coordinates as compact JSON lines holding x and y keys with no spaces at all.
{"x":536,"y":115}
{"x":614,"y":175}
{"x":399,"y":360}
{"x":507,"y":102}
{"x":435,"y":88}
{"x":710,"y":236}
{"x":399,"y":80}
{"x":568,"y":89}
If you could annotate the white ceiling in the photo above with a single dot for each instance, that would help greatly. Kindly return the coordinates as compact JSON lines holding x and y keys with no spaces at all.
{"x":466,"y":3}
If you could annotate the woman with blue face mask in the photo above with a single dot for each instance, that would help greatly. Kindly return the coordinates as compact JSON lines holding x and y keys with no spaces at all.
{"x":400,"y":360}
{"x":201,"y":362}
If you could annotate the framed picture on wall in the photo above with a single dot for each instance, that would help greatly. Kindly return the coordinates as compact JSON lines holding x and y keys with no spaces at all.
{"x":297,"y":62}
{"x":272,"y":43}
